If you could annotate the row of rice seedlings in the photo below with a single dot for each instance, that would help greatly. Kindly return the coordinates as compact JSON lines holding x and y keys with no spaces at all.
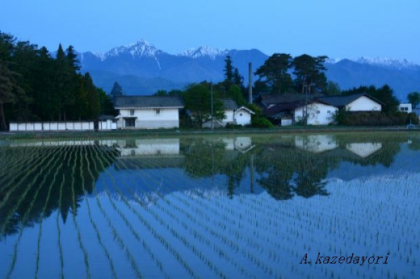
{"x":18,"y":160}
{"x":41,"y":217}
{"x":205,"y":207}
{"x":186,"y":243}
{"x":269,"y":235}
{"x":151,"y":254}
{"x":95,"y":227}
{"x":60,"y":248}
{"x":26,"y":216}
{"x":79,"y":237}
{"x":45,"y":166}
{"x":193,"y":232}
{"x":16,"y":182}
{"x":213,"y":230}
{"x":159,"y":237}
{"x":117,"y":237}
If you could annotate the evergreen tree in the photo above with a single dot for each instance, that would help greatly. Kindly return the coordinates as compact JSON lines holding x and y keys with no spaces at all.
{"x":228,"y":71}
{"x":414,"y":99}
{"x":8,"y":91}
{"x":274,"y":75}
{"x":309,"y":73}
{"x":116,"y":91}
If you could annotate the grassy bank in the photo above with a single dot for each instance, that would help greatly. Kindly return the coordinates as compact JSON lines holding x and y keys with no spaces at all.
{"x":178,"y":132}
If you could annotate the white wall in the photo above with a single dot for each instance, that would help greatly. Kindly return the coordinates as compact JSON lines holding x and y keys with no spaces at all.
{"x":318,"y":114}
{"x":61,"y":126}
{"x":405,"y":108}
{"x":242,"y":117}
{"x":228,"y":116}
{"x":149,"y":119}
{"x":363,"y":104}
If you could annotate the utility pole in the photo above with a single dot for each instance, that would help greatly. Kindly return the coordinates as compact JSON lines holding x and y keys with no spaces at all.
{"x":211,"y":104}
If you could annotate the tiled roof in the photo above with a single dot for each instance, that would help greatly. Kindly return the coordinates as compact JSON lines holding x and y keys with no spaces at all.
{"x":341,"y":101}
{"x":148,"y":102}
{"x":229,"y":104}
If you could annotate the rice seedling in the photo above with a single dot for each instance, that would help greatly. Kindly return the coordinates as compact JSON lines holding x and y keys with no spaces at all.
{"x":41,"y":217}
{"x":98,"y":235}
{"x":79,"y":237}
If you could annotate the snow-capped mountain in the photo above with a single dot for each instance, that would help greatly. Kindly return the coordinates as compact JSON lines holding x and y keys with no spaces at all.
{"x":141,"y":68}
{"x":138,"y":49}
{"x":386,"y":62}
{"x":203,"y":51}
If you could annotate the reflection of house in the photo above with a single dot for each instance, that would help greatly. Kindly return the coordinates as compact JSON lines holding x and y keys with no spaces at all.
{"x":242,"y":144}
{"x":316,"y":143}
{"x":148,"y":112}
{"x":233,"y":115}
{"x":137,"y":147}
{"x":364,"y":149}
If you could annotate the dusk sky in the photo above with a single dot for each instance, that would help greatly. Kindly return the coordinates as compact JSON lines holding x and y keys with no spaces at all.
{"x":339,"y":29}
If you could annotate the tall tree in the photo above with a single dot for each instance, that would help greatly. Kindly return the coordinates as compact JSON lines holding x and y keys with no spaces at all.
{"x":198,"y":101}
{"x":309,"y":72}
{"x":274,"y":73}
{"x":228,"y":72}
{"x":9,"y":89}
{"x":414,"y":99}
{"x":116,"y":91}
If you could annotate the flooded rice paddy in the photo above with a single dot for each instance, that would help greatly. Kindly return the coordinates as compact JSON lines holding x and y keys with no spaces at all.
{"x":272,"y":206}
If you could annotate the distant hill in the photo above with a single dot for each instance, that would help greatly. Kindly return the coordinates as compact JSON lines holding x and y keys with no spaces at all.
{"x":142,"y":69}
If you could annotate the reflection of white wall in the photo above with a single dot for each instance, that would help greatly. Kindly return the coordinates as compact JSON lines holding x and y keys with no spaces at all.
{"x":318,"y":114}
{"x":149,"y":147}
{"x":239,"y":143}
{"x":364,"y":149}
{"x":316,"y":143}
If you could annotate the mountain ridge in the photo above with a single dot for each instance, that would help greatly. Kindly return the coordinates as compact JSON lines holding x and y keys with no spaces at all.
{"x":145,"y":61}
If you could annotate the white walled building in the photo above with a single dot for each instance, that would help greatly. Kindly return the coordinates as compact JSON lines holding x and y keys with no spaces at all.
{"x":318,"y":113}
{"x":233,"y":115}
{"x":405,"y":108}
{"x":355,"y":102}
{"x":148,"y":112}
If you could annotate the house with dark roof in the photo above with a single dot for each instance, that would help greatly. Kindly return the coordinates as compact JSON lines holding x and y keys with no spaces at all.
{"x":148,"y":112}
{"x":355,"y":102}
{"x":318,"y":110}
{"x":233,"y":115}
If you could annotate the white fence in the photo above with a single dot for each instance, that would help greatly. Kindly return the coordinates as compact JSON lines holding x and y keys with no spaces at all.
{"x":62,"y":126}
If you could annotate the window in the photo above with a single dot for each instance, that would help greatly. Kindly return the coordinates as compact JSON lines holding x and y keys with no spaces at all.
{"x":130,"y":122}
{"x":131,"y":111}
{"x":157,"y":111}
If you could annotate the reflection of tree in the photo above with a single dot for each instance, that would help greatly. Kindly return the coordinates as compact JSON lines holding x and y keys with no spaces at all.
{"x":282,"y":166}
{"x":209,"y":157}
{"x":202,"y":157}
{"x":22,"y":202}
{"x":385,"y":156}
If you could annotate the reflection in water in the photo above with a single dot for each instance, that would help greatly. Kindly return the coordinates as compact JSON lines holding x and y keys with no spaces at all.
{"x":202,"y":206}
{"x":284,"y":167}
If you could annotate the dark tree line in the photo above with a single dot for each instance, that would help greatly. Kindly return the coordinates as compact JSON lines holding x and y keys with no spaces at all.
{"x":38,"y":87}
{"x":275,"y":75}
